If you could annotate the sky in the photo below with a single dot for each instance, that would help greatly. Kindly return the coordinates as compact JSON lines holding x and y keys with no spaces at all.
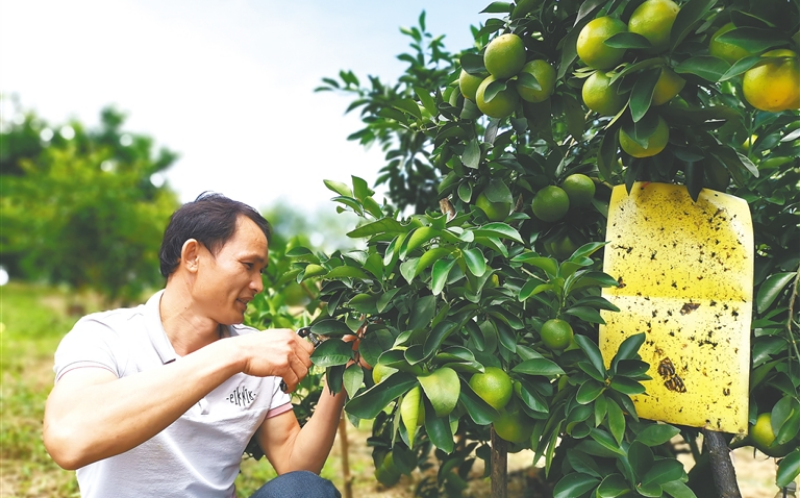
{"x":227,"y":84}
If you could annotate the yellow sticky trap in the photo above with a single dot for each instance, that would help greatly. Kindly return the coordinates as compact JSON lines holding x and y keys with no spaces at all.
{"x":686,"y":280}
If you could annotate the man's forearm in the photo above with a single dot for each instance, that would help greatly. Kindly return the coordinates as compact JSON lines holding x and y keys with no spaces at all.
{"x":314,"y":442}
{"x":91,"y":422}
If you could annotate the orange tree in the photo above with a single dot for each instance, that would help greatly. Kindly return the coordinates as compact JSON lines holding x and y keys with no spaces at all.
{"x":488,"y":235}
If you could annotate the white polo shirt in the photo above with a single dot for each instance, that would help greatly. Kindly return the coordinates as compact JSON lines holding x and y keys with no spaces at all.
{"x":198,"y":455}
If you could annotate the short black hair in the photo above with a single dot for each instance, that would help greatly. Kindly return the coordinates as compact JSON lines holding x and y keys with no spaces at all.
{"x":211,"y":219}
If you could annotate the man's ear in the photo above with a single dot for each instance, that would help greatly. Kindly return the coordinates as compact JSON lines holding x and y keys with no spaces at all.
{"x":190,"y":255}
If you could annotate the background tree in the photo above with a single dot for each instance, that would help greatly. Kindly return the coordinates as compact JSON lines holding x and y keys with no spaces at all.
{"x":83,"y":207}
{"x":695,"y":93}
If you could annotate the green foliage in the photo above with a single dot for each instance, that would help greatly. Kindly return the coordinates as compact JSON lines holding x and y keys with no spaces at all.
{"x":456,"y":289}
{"x":79,"y":207}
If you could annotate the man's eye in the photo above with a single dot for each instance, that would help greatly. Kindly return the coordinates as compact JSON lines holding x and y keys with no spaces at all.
{"x":249,"y":266}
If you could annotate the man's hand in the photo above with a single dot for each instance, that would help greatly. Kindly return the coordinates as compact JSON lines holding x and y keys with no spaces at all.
{"x":278,"y":352}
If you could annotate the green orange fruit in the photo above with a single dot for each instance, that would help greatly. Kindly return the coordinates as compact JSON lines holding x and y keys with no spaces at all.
{"x":591,"y":47}
{"x":494,"y":386}
{"x":504,"y":56}
{"x":550,"y":204}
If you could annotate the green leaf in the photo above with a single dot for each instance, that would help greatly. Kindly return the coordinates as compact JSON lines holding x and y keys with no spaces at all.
{"x":616,"y":421}
{"x":657,"y":434}
{"x":690,"y":14}
{"x":443,"y":388}
{"x":626,"y":385}
{"x":627,"y":39}
{"x":529,"y":81}
{"x":500,"y":230}
{"x":438,"y":429}
{"x":361,"y":189}
{"x":476,"y":263}
{"x":331,"y":353}
{"x":479,"y":411}
{"x":497,"y":191}
{"x":612,"y":486}
{"x":788,"y":468}
{"x":591,"y":350}
{"x":585,"y":313}
{"x":473,"y":63}
{"x":498,"y":8}
{"x":549,"y":265}
{"x":472,"y":154}
{"x":422,"y":313}
{"x":707,"y":67}
{"x":583,"y":463}
{"x":752,"y":39}
{"x":465,"y":191}
{"x":427,"y":100}
{"x":533,"y":287}
{"x":642,"y":93}
{"x":375,"y":343}
{"x":640,"y":458}
{"x":771,"y":289}
{"x":589,"y":391}
{"x":347,"y":272}
{"x":629,"y":349}
{"x":338,"y":187}
{"x":663,"y":471}
{"x":677,"y":489}
{"x":740,"y":66}
{"x":493,"y":89}
{"x":369,"y":403}
{"x":572,"y":485}
{"x":437,"y":336}
{"x":331,"y":327}
{"x":353,"y":378}
{"x":441,"y":269}
{"x":539,"y":366}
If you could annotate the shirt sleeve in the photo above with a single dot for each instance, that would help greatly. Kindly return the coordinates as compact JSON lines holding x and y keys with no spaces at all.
{"x":90,"y":344}
{"x":281,"y":402}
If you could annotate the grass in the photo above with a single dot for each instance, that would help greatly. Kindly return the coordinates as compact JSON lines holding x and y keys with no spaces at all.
{"x":33,"y":319}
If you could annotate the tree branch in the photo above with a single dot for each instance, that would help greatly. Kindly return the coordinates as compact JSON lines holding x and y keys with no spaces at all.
{"x":722,"y":470}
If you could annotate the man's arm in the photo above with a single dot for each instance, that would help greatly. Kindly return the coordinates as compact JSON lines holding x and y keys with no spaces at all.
{"x":91,"y":414}
{"x":290,"y":448}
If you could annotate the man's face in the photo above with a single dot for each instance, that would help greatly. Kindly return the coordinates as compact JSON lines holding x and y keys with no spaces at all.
{"x":229,"y":279}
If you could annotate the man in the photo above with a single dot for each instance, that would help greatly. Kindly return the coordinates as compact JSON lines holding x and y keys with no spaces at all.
{"x":162,"y":399}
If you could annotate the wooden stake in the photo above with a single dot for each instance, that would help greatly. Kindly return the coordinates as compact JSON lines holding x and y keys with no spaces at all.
{"x":348,"y":479}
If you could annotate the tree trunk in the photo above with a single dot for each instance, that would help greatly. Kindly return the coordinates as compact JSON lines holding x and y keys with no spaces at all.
{"x":722,"y":470}
{"x":499,"y":467}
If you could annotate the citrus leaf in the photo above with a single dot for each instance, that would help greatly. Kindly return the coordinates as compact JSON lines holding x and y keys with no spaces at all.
{"x":771,"y":289}
{"x":437,"y":336}
{"x":369,"y":403}
{"x":752,"y":39}
{"x":498,"y":229}
{"x":473,"y":63}
{"x":441,"y":269}
{"x":478,"y":410}
{"x":538,"y":366}
{"x":589,"y":391}
{"x":585,"y":313}
{"x":465,"y":191}
{"x":549,"y":265}
{"x":472,"y":154}
{"x":443,"y":388}
{"x":331,"y":327}
{"x":612,"y":486}
{"x":663,"y":471}
{"x":688,"y":16}
{"x":347,"y":272}
{"x":740,"y":66}
{"x":332,"y":353}
{"x":498,"y":8}
{"x":438,"y":429}
{"x":493,"y":89}
{"x":788,"y":468}
{"x":427,"y":100}
{"x":591,"y":350}
{"x":529,"y":81}
{"x":627,"y":39}
{"x":629,"y":349}
{"x":572,"y":485}
{"x":657,"y":434}
{"x":533,"y":287}
{"x":708,"y":67}
{"x":353,"y":378}
{"x":616,"y":421}
{"x":422,"y":313}
{"x":476,"y":263}
{"x":677,"y":489}
{"x":627,"y":386}
{"x":642,"y":93}
{"x":338,"y":187}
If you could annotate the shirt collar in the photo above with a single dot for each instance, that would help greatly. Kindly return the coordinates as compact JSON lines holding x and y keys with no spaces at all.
{"x":155,"y":329}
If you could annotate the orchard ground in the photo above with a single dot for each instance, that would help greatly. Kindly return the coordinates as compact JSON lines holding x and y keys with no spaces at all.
{"x":34,"y":318}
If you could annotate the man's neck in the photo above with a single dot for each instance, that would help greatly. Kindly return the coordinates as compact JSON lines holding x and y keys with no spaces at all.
{"x":187,"y":330}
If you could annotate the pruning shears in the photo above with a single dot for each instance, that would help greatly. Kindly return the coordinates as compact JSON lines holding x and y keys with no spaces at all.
{"x":315,"y":340}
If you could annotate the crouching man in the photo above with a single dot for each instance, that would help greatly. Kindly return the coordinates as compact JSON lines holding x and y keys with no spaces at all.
{"x":162,"y":399}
